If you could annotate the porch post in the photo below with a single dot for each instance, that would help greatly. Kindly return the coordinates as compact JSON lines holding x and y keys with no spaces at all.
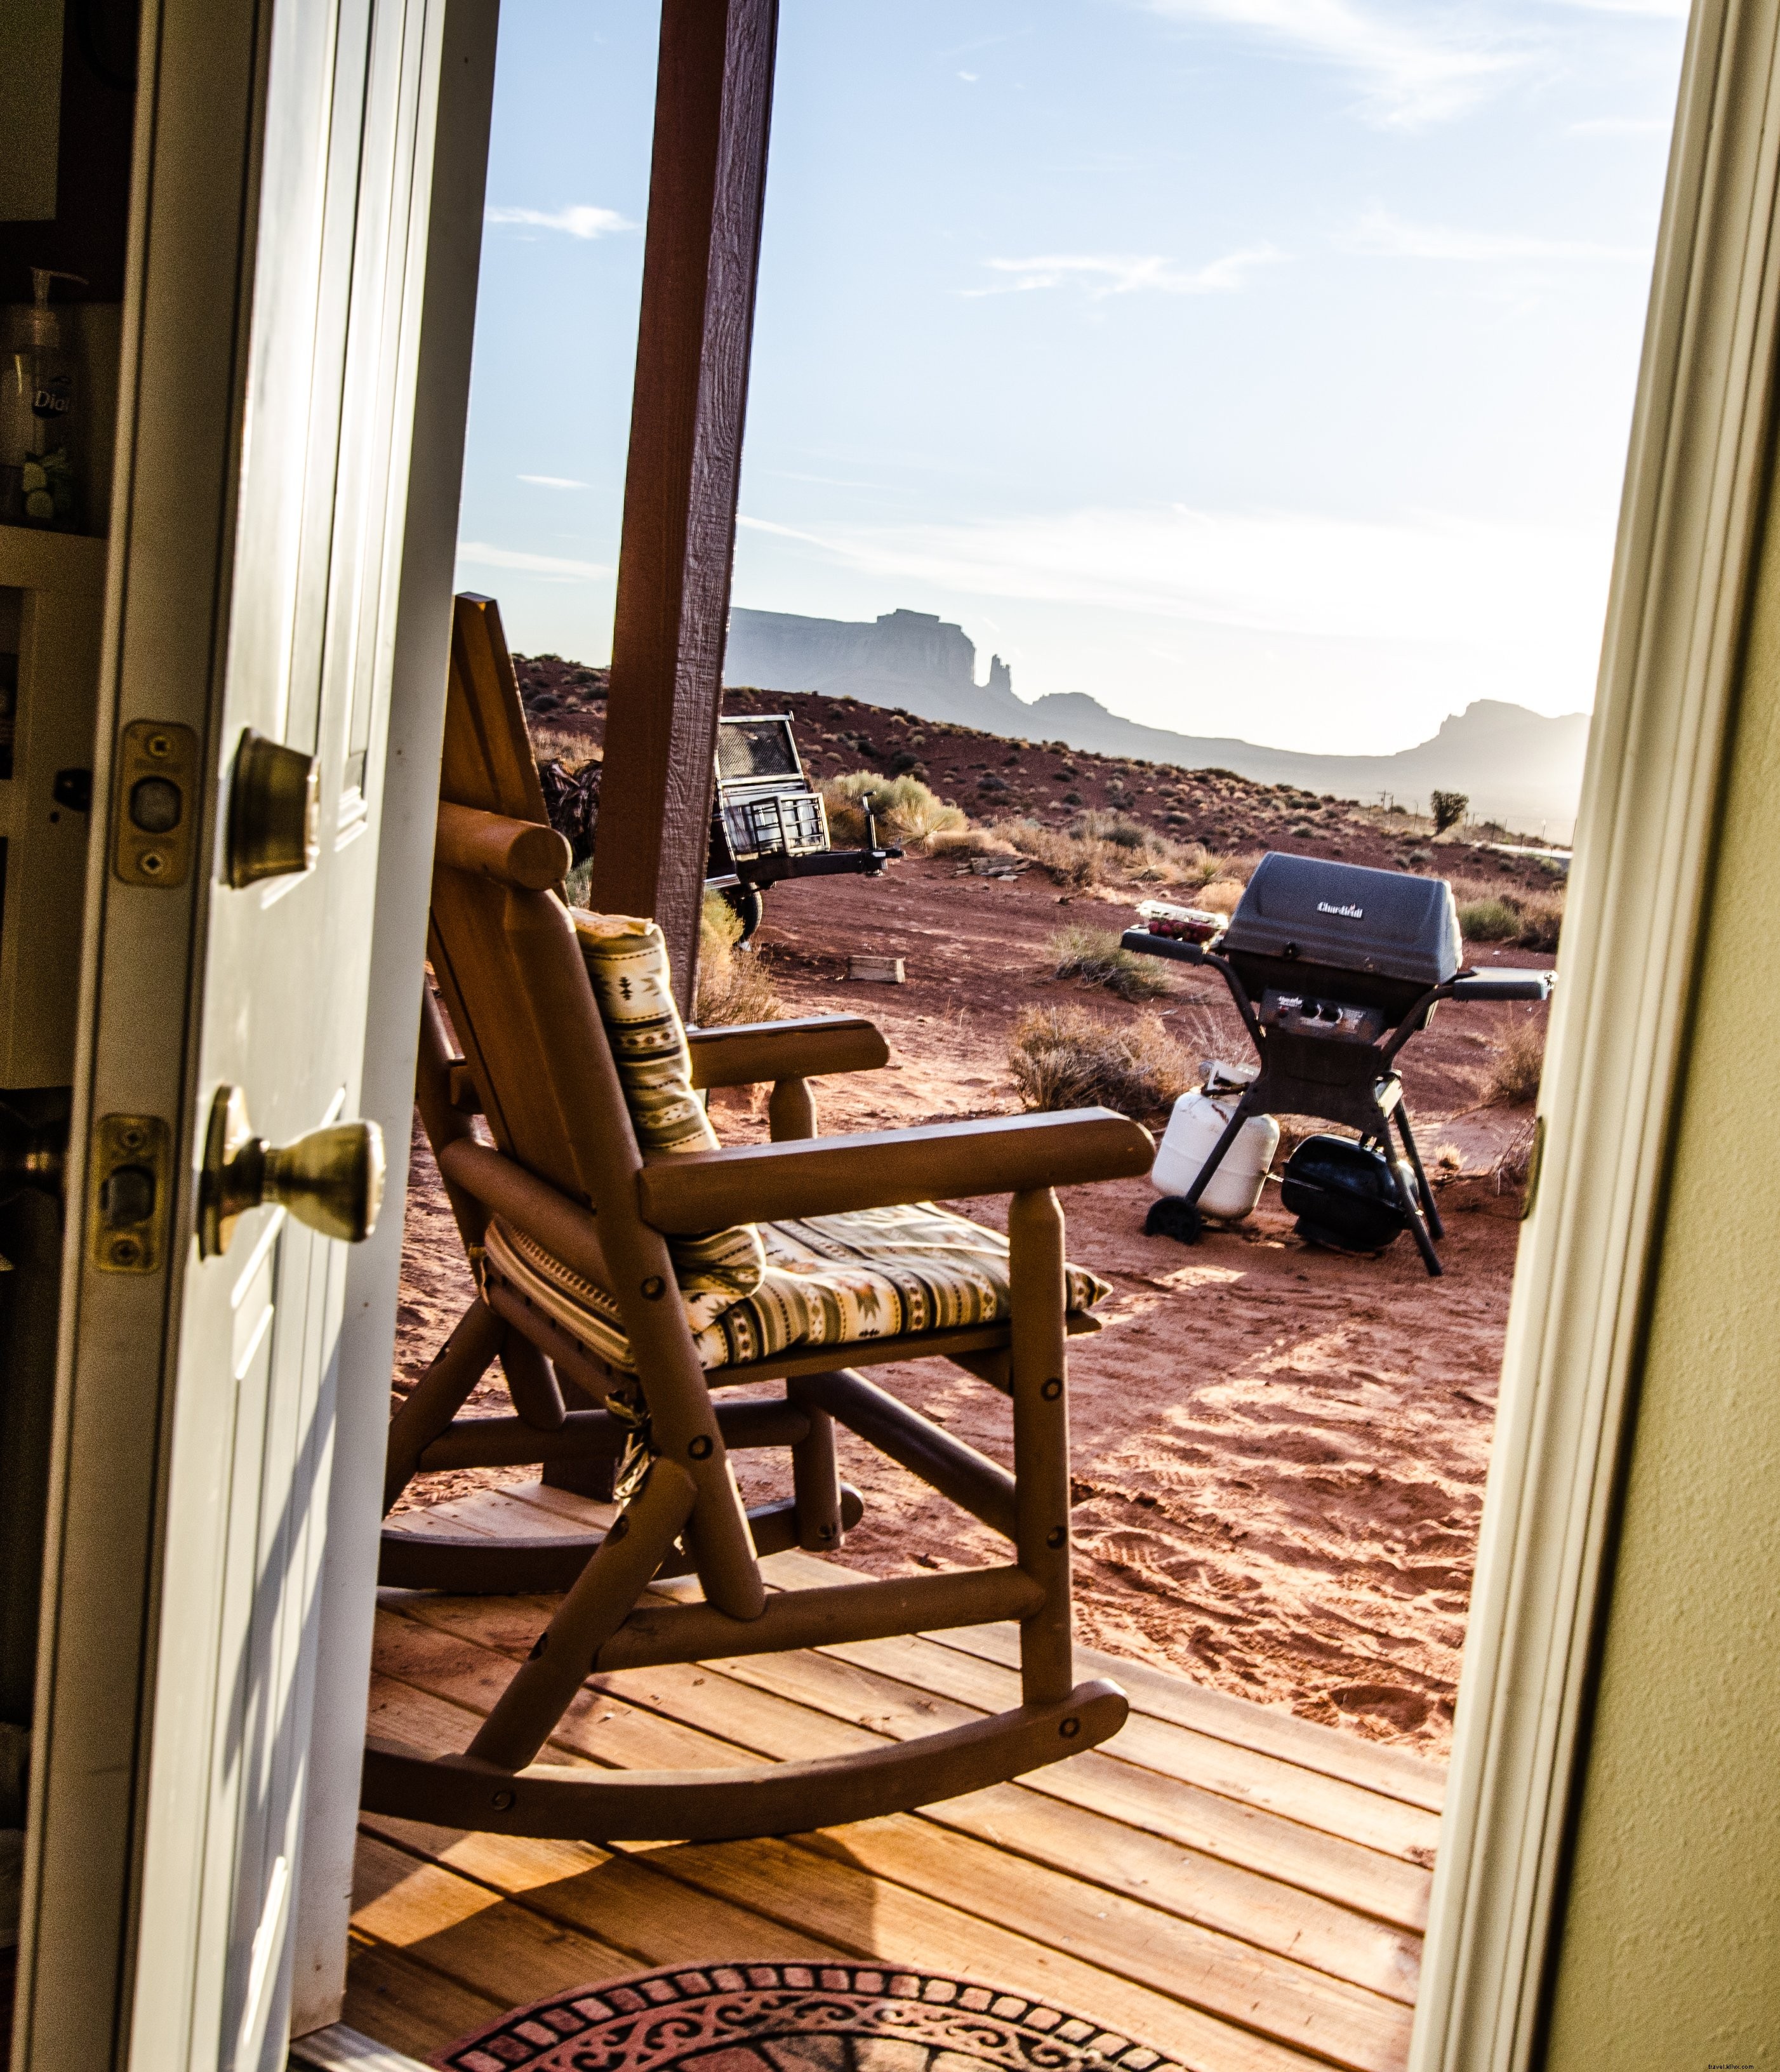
{"x":714,"y":102}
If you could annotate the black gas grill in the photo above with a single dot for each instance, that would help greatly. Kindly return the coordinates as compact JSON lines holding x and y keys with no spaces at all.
{"x":1333,"y":969}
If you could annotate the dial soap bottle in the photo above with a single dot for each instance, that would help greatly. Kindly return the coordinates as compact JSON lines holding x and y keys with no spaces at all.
{"x":37,"y":417}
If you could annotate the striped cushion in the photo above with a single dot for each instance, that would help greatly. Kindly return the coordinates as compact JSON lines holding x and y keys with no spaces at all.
{"x":627,"y":961}
{"x":870,"y":1273}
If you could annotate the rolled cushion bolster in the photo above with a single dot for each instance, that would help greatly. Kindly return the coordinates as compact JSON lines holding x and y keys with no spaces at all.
{"x":627,"y":962}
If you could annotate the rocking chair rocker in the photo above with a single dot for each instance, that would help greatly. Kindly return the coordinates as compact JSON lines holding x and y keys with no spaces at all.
{"x":624,"y":1259}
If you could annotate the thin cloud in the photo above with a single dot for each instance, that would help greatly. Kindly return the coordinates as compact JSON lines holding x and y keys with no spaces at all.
{"x":1382,"y":236}
{"x":480,"y":554}
{"x":1415,"y":70}
{"x":555,"y":481}
{"x":583,"y":221}
{"x":1113,"y":273}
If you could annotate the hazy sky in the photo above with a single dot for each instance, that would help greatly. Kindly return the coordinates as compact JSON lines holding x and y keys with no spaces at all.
{"x":1260,"y":367}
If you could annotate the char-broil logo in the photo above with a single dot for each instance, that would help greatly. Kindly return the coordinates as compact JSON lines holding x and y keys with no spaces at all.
{"x":1343,"y":913}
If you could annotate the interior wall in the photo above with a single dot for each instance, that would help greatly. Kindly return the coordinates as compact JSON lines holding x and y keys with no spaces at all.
{"x":1672,"y":1920}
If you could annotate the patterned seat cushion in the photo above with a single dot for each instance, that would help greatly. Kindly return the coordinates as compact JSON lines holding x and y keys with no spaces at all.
{"x":828,"y":1281}
{"x":627,"y":962}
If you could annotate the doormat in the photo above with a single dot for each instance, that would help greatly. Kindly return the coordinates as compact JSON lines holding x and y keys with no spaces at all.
{"x":795,"y":2018}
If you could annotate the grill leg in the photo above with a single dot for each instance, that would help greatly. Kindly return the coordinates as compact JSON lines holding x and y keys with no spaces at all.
{"x":1434,"y":1223}
{"x":1411,"y":1208}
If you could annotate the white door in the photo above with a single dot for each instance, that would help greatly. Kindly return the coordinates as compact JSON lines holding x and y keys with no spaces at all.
{"x":282,"y":179}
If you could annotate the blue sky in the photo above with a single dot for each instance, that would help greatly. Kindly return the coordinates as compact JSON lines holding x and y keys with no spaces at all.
{"x":1260,"y":367}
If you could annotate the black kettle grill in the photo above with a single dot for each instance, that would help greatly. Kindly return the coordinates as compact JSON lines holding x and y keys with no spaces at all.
{"x":1333,"y":969}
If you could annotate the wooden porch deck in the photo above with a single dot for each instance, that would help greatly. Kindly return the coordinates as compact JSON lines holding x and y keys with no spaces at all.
{"x":1240,"y":1889}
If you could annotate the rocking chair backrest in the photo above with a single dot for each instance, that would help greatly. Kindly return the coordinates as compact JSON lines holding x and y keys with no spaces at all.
{"x":507,"y":959}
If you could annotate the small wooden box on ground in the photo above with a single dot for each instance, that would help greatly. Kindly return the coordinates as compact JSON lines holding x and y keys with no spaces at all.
{"x":876,"y":971}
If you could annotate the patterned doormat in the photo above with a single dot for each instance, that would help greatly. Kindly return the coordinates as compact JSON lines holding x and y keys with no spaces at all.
{"x":795,"y":2018}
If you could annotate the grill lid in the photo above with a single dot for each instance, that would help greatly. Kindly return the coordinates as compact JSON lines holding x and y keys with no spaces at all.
{"x":1389,"y":922}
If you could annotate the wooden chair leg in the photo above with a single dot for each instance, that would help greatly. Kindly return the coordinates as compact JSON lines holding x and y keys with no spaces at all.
{"x":815,"y":1484}
{"x":596,"y":1477}
{"x":1041,"y":1440}
{"x":603,"y":1597}
{"x":531,"y":1383}
{"x":790,"y":1111}
{"x":440,"y":1394}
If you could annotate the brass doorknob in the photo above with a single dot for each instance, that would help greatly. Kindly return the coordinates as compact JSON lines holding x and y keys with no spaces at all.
{"x":331,"y":1179}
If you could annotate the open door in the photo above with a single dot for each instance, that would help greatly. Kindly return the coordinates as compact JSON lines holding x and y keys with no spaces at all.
{"x":271,"y":325}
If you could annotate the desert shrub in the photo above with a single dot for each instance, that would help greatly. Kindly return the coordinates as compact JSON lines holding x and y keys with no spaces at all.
{"x":1514,"y":1081}
{"x":907,"y":810}
{"x":734,"y":984}
{"x":1542,"y":919}
{"x":1095,"y":957}
{"x":1531,"y":919}
{"x":578,"y":883}
{"x":1065,"y":1058}
{"x":1489,"y":920}
{"x":1447,"y":808}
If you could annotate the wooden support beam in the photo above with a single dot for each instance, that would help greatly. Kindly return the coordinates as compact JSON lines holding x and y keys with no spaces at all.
{"x":713,"y":101}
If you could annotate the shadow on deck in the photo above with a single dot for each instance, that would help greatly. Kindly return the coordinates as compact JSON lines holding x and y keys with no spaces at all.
{"x":1239,"y":1888}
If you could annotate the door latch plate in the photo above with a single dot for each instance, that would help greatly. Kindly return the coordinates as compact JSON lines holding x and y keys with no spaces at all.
{"x":130,"y":1193}
{"x":156,"y":803}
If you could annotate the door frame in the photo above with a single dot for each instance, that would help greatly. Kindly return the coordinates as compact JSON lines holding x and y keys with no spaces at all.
{"x":1694,"y":486}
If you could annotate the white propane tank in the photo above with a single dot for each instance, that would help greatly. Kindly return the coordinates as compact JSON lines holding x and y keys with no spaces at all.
{"x":1192,"y":1134}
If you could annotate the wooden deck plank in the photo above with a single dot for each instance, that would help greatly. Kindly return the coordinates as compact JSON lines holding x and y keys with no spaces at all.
{"x":1286,"y":2001}
{"x":492,"y":1514}
{"x":871,"y":1917}
{"x":1165,"y":1695}
{"x":1391,"y":1891}
{"x":407,"y":2006}
{"x":1162,"y":1694}
{"x":597,"y":1724}
{"x":469,"y":1934}
{"x":620,"y":1901}
{"x":1237,"y":1887}
{"x":1271,"y":1992}
{"x":1197,"y":1887}
{"x":1246,"y":1775}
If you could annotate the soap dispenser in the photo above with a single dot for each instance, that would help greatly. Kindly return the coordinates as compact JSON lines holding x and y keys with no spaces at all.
{"x":37,"y":417}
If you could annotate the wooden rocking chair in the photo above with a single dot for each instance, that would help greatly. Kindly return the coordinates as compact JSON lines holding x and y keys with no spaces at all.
{"x":575,"y":1229}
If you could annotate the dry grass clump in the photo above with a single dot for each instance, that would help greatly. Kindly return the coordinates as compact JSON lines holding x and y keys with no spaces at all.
{"x":1531,"y":919}
{"x":1514,"y":1081}
{"x":1222,"y":894}
{"x":1095,"y":957}
{"x":734,"y":984}
{"x":1109,"y":849}
{"x":1064,"y":1058}
{"x":969,"y":841}
{"x":573,"y":751}
{"x":906,"y":811}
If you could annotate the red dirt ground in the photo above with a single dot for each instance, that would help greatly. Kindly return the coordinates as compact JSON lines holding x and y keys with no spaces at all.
{"x":1279,"y":1453}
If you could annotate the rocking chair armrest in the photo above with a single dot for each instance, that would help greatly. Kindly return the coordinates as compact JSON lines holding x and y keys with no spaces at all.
{"x":746,"y":1053}
{"x":686,"y":1192}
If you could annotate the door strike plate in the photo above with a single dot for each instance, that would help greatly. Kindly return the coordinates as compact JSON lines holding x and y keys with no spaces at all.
{"x":156,"y":803}
{"x":129,"y":1191}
